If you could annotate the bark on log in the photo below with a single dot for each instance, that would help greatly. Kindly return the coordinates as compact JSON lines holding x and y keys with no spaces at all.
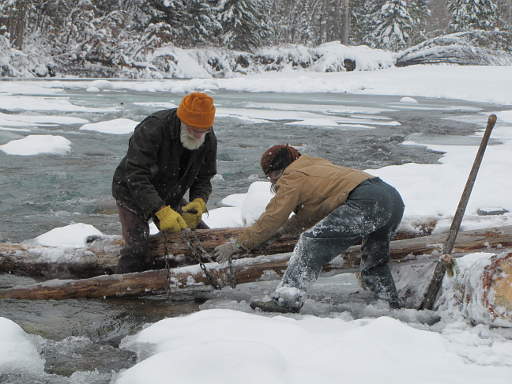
{"x":151,"y":282}
{"x":101,"y":256}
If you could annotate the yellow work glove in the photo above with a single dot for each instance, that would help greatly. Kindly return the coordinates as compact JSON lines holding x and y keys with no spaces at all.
{"x":193,"y":211}
{"x":170,"y":220}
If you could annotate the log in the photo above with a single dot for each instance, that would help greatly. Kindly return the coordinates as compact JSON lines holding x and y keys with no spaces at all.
{"x":101,"y":255}
{"x":481,"y":290}
{"x":151,"y":282}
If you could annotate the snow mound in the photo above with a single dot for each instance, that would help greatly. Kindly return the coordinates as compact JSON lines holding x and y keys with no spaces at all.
{"x":17,"y":352}
{"x":37,"y":144}
{"x":114,"y":127}
{"x":235,"y":347}
{"x":467,"y":48}
{"x":70,"y":236}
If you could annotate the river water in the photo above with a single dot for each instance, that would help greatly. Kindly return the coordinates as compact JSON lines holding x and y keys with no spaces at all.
{"x":79,"y":338}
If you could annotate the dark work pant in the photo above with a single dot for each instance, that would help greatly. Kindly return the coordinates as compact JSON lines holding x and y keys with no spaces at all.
{"x":371,"y":213}
{"x":135,"y":232}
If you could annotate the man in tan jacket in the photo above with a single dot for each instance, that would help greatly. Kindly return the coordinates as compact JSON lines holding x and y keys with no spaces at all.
{"x":335,"y":207}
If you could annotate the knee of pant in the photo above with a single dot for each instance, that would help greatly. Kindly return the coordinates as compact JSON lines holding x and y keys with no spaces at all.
{"x":318,"y":249}
{"x":136,"y":250}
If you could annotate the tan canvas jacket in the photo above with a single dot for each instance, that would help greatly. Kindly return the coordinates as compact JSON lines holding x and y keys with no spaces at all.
{"x":312,"y":188}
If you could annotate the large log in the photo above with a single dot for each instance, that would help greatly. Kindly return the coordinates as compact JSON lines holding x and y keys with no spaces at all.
{"x":481,"y":290}
{"x":102,"y":254}
{"x":151,"y":282}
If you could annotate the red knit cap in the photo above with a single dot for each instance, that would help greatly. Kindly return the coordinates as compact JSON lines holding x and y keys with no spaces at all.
{"x":197,"y":110}
{"x":278,"y":157}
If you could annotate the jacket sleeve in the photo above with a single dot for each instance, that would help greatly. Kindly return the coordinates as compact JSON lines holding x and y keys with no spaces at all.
{"x":202,"y":186}
{"x":276,"y":213}
{"x":142,"y":164}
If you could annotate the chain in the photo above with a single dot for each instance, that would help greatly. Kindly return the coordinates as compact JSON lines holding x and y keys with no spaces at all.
{"x":166,"y":250}
{"x":231,"y":273}
{"x":197,"y":251}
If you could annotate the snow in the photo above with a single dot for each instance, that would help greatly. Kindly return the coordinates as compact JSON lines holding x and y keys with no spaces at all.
{"x":408,"y":100}
{"x":114,"y":127}
{"x":36,"y":145}
{"x":12,"y":120}
{"x":71,"y":236}
{"x":474,"y":83}
{"x":16,"y":103}
{"x":233,"y":347}
{"x":18,"y":352}
{"x":299,"y":117}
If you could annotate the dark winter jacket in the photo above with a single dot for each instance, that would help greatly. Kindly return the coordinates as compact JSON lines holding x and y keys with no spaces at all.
{"x":157,"y":170}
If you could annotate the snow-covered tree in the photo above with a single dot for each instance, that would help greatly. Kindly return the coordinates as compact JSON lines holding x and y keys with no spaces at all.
{"x":243,"y":23}
{"x":15,"y":15}
{"x":467,"y":15}
{"x":363,"y":22}
{"x":200,"y":23}
{"x":393,"y":26}
{"x":419,"y":12}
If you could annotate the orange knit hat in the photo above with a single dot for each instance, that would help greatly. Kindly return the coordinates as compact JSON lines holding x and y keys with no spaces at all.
{"x":197,"y":110}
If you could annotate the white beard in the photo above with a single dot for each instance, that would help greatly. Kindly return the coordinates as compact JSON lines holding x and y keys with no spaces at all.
{"x":189,"y":141}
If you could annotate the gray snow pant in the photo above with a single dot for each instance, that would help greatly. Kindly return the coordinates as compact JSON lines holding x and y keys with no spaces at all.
{"x":371,"y":213}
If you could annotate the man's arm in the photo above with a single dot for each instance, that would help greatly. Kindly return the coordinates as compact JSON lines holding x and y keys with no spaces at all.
{"x":276,"y":213}
{"x":142,"y":165}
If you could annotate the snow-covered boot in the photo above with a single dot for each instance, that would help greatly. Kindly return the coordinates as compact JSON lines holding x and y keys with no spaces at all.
{"x":380,"y":281}
{"x":285,"y":299}
{"x":273,"y":305}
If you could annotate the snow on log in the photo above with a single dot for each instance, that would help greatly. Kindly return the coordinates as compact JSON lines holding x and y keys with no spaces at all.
{"x":481,"y":288}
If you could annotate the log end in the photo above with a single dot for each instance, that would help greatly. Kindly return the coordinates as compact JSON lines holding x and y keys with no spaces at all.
{"x":503,"y":286}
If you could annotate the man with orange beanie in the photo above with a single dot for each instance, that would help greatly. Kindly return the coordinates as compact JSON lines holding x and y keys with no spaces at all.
{"x":170,"y":152}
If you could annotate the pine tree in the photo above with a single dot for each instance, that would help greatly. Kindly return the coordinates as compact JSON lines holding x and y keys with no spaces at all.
{"x":200,"y":24}
{"x":419,"y":12}
{"x":393,"y":26}
{"x":468,"y":15}
{"x":243,"y":23}
{"x":363,"y":19}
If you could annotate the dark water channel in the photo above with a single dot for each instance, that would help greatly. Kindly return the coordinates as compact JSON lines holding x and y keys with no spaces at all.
{"x":39,"y":193}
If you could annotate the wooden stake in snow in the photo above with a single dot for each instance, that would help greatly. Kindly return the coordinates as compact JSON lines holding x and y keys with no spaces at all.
{"x":446,"y":262}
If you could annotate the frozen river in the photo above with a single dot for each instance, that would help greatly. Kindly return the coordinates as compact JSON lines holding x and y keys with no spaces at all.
{"x":42,"y":192}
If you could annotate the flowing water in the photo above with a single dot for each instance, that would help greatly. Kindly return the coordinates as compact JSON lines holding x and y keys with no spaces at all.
{"x":79,"y":338}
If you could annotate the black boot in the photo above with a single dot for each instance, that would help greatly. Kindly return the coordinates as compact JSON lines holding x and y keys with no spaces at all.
{"x":380,"y":281}
{"x":273,"y":306}
{"x":131,"y":260}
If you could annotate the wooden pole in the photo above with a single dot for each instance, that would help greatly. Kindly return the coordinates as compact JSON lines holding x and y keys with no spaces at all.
{"x":444,"y":263}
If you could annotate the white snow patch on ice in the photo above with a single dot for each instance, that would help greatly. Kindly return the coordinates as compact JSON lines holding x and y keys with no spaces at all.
{"x":17,"y":120}
{"x":409,"y":100}
{"x":114,"y":127}
{"x":37,"y":144}
{"x":34,"y":103}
